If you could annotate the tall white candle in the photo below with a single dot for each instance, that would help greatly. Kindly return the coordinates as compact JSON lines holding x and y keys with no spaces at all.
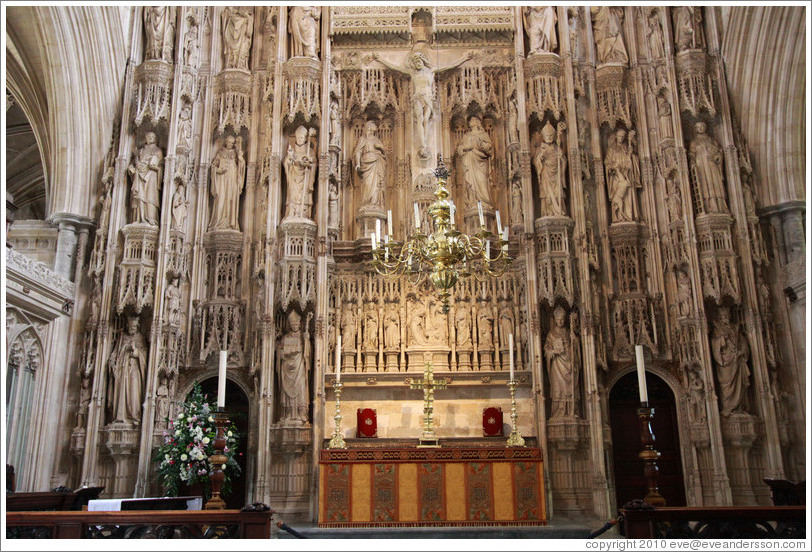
{"x":510,"y":345}
{"x":641,"y":373}
{"x":498,"y":222}
{"x":481,"y":214}
{"x":453,"y":214}
{"x":373,"y":240}
{"x":378,"y":229}
{"x":416,"y":216}
{"x":488,"y":249}
{"x":505,"y":239}
{"x":389,"y":221}
{"x":221,"y":380}
{"x":338,"y":359}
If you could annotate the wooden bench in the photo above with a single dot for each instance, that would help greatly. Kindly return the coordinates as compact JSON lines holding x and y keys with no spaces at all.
{"x":139,"y":524}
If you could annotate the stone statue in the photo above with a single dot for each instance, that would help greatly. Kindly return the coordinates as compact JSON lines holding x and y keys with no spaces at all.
{"x":462,"y":324}
{"x":146,"y":172}
{"x":162,"y":401}
{"x":485,"y":330}
{"x":332,"y":204}
{"x":294,"y":365}
{"x":506,"y":324}
{"x":84,"y":402}
{"x":654,"y":35}
{"x":422,"y":75}
{"x":730,"y":352}
{"x":687,"y":27}
{"x":104,"y":207}
{"x":348,"y":330}
{"x":696,"y":395}
{"x":574,"y":28}
{"x":371,"y":328}
{"x":607,"y":24}
{"x":560,"y":369}
{"x":622,"y":176}
{"x":238,"y":28}
{"x":179,"y":208}
{"x":417,"y":324}
{"x":664,"y":116}
{"x":191,"y":46}
{"x":159,"y":26}
{"x":227,"y":182}
{"x":539,"y":24}
{"x":128,"y":367}
{"x":369,"y":160}
{"x":707,"y":166}
{"x":516,"y":211}
{"x":436,"y":324}
{"x":300,"y":171}
{"x":391,"y":329}
{"x":550,"y":162}
{"x":95,"y":304}
{"x":683,"y":293}
{"x":335,"y":124}
{"x":185,"y":125}
{"x":172,"y":296}
{"x":513,"y":121}
{"x":303,"y":24}
{"x":475,"y":150}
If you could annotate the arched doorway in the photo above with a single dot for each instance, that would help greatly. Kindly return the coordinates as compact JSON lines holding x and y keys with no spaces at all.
{"x":624,"y":400}
{"x":237,"y":409}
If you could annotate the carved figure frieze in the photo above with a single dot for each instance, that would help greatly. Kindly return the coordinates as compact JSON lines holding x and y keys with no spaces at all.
{"x":227,"y":183}
{"x":128,"y":369}
{"x":304,"y":30}
{"x":539,"y":24}
{"x":238,"y":31}
{"x":146,"y":172}
{"x":607,"y":25}
{"x":159,"y":27}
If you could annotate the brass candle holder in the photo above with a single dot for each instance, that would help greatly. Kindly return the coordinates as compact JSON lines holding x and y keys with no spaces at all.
{"x":649,"y":455}
{"x":217,"y":461}
{"x":337,"y":440}
{"x":428,"y":384}
{"x":515,"y":439}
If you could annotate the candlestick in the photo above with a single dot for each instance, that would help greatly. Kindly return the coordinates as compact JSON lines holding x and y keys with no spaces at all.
{"x":338,"y":359}
{"x":481,"y":214}
{"x":515,"y":439}
{"x":498,"y":222}
{"x":337,"y":440}
{"x":641,"y":374}
{"x":373,"y":240}
{"x":510,"y":344}
{"x":218,"y":460}
{"x":378,"y":228}
{"x":221,"y":380}
{"x":416,"y":217}
{"x":649,"y":455}
{"x":389,"y":221}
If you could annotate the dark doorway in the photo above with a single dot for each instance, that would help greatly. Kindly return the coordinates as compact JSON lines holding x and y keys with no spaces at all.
{"x":624,"y":400}
{"x":237,"y":409}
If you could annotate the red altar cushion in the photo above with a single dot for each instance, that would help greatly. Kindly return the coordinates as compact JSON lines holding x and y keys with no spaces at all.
{"x":367,"y":423}
{"x":492,"y":421}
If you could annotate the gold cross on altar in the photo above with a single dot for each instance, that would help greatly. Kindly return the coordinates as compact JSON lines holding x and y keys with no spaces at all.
{"x":428,"y":384}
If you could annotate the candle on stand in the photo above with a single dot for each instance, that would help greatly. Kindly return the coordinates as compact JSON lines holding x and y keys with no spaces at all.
{"x":221,"y":380}
{"x":510,"y":346}
{"x":378,"y":228}
{"x":453,"y":214}
{"x":389,"y":221}
{"x":498,"y":222}
{"x":374,"y":241}
{"x":488,"y":249}
{"x":416,"y":217}
{"x":505,"y":239}
{"x":338,"y":359}
{"x":641,"y":374}
{"x":481,"y":214}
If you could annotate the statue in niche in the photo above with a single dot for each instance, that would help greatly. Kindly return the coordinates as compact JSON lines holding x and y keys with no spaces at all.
{"x":238,"y":28}
{"x":294,"y":366}
{"x":436,"y":324}
{"x":730,"y":352}
{"x":422,"y":76}
{"x":300,"y":172}
{"x":622,"y":176}
{"x":539,"y":23}
{"x":506,"y":323}
{"x":485,"y":330}
{"x":475,"y":150}
{"x":128,"y":367}
{"x":574,"y":24}
{"x":335,"y":124}
{"x":371,"y":328}
{"x":391,"y":329}
{"x":369,"y":160}
{"x":683,"y":293}
{"x":513,"y":120}
{"x":104,"y":206}
{"x":550,"y":162}
{"x":159,"y":26}
{"x":348,"y":330}
{"x":227,"y":182}
{"x":516,"y":212}
{"x":191,"y":46}
{"x":172,"y":296}
{"x":185,"y":125}
{"x":687,"y":27}
{"x":607,"y":24}
{"x":95,"y":304}
{"x":259,"y":302}
{"x":162,"y":401}
{"x":84,"y":403}
{"x":304,"y":28}
{"x":696,"y":395}
{"x":179,"y":208}
{"x":706,"y":161}
{"x":462,"y":324}
{"x":664,"y":116}
{"x":654,"y":34}
{"x":146,"y":173}
{"x":332,"y":204}
{"x":417,"y":324}
{"x":560,"y":367}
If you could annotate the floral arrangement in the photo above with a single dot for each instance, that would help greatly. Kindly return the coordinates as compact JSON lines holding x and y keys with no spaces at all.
{"x":188,"y":443}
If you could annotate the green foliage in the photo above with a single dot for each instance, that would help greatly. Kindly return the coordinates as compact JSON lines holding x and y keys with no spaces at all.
{"x":188,"y":443}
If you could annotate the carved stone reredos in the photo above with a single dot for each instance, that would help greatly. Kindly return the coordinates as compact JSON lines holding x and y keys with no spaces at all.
{"x":152,"y":99}
{"x":302,"y":88}
{"x":232,"y":89}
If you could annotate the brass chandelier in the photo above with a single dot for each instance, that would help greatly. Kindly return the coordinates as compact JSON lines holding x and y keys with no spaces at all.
{"x":446,"y":254}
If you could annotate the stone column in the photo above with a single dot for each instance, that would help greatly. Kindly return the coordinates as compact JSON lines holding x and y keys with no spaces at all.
{"x":65,"y":244}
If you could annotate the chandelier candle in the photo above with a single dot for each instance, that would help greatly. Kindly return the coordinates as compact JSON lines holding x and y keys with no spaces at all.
{"x":641,"y":374}
{"x":389,"y":221}
{"x":481,"y":214}
{"x":416,"y":217}
{"x":221,"y":380}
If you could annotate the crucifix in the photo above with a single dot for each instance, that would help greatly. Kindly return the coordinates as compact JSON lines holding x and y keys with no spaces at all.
{"x":428,"y":384}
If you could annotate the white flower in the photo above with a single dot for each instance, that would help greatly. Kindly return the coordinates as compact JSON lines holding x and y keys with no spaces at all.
{"x":229,"y":434}
{"x":211,"y":418}
{"x":223,"y":467}
{"x":180,"y":416}
{"x":183,"y":457}
{"x":177,"y":432}
{"x":206,"y":440}
{"x":167,"y":457}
